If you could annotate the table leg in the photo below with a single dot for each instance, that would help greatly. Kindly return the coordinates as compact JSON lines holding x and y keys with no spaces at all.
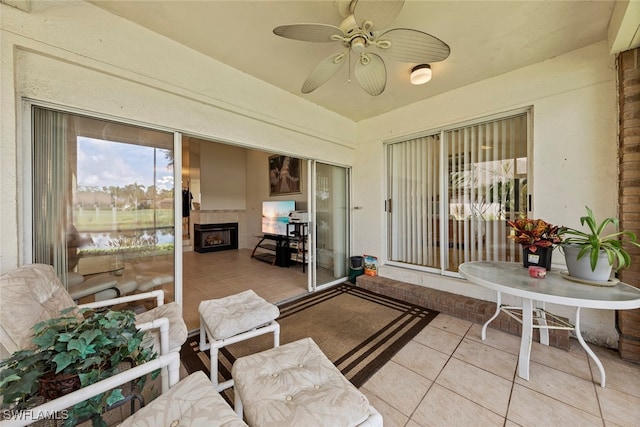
{"x":588,"y":350}
{"x":484,"y":327}
{"x":526,"y":339}
{"x":542,"y":324}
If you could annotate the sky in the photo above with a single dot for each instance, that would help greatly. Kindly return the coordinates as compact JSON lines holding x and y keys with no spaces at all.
{"x":106,"y":163}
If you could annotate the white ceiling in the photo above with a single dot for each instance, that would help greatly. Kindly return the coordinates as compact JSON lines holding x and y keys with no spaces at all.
{"x":487,"y":38}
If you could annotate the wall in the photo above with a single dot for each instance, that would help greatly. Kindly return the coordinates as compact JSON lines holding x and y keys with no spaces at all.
{"x":574,"y":155}
{"x":222,"y":176}
{"x":72,"y":54}
{"x":222,"y":170}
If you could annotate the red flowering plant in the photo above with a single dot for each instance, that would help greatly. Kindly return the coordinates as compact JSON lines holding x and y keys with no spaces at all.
{"x":534,"y":233}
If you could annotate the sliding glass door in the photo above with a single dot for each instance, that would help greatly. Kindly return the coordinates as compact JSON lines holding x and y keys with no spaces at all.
{"x":331,"y":206}
{"x":103,"y":204}
{"x":451,"y":192}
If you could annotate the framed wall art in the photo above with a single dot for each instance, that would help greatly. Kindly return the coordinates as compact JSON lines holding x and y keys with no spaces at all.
{"x":284,"y":175}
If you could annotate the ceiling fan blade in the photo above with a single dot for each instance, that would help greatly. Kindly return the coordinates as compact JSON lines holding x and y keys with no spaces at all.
{"x":371,"y":73}
{"x":323,"y":72}
{"x":380,"y":12}
{"x":308,"y":32}
{"x":413,"y":46}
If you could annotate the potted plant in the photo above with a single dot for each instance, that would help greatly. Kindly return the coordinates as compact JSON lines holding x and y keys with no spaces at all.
{"x":593,"y":254}
{"x":77,"y":349}
{"x":538,"y":239}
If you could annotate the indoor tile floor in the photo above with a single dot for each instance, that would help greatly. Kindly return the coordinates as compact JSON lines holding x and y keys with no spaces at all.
{"x":447,"y":376}
{"x":220,"y":274}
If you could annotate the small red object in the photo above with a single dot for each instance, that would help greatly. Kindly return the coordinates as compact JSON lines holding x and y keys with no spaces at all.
{"x":537,"y":271}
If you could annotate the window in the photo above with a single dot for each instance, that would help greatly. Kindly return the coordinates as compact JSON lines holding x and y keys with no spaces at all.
{"x":103,"y":200}
{"x":451,"y":192}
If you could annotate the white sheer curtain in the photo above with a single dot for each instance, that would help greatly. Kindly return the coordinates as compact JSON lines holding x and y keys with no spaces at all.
{"x":50,"y":185}
{"x":481,"y":184}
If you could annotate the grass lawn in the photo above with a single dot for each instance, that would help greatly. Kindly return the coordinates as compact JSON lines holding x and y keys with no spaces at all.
{"x":108,"y":220}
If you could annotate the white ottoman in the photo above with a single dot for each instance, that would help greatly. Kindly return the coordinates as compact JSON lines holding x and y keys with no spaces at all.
{"x":233,"y":319}
{"x":191,"y":402}
{"x":297,"y":385}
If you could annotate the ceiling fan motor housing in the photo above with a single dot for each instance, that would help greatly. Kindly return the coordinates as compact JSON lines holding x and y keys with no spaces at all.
{"x":355,"y":37}
{"x":349,"y":25}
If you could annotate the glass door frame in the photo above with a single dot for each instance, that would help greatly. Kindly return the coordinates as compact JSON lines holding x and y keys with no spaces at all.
{"x":313,"y":233}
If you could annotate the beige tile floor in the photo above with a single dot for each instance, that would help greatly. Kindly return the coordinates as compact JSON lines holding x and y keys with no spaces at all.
{"x":447,"y":376}
{"x":220,"y":274}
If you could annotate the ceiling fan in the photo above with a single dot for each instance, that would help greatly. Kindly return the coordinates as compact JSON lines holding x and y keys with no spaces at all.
{"x":360,"y":34}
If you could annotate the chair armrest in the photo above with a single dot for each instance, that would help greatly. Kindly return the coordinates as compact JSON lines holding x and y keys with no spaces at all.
{"x":172,"y":360}
{"x":161,"y":323}
{"x":157,"y":294}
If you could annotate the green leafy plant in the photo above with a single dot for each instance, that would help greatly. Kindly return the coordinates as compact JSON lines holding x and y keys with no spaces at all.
{"x":91,"y":344}
{"x":596,"y":240}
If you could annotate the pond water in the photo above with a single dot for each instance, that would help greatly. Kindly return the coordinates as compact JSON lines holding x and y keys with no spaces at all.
{"x":110,"y":239}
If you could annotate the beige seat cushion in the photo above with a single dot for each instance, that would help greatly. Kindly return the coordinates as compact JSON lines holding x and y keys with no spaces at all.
{"x":178,"y":330}
{"x":30,"y":294}
{"x":229,"y":316}
{"x":191,"y":402}
{"x":297,"y":385}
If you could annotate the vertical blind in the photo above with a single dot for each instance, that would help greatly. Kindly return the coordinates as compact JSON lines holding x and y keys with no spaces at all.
{"x":50,"y":185}
{"x":414,"y":200}
{"x":482,"y":184}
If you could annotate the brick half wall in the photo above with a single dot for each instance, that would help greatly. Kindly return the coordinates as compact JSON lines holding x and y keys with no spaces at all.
{"x":628,"y":64}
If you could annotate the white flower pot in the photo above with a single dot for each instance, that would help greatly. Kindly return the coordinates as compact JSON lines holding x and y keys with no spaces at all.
{"x":581,"y":268}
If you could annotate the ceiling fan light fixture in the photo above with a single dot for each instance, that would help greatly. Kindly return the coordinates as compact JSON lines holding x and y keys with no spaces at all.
{"x":358,"y":44}
{"x":420,"y":74}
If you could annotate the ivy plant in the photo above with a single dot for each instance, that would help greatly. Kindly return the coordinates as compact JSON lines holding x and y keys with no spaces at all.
{"x":92,"y":344}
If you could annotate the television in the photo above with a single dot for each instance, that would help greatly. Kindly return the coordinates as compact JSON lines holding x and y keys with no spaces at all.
{"x":275,"y":216}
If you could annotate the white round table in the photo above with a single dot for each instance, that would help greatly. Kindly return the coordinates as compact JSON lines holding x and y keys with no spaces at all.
{"x":513,"y":279}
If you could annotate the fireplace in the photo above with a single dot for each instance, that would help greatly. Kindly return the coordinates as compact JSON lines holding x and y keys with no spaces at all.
{"x":215,"y":237}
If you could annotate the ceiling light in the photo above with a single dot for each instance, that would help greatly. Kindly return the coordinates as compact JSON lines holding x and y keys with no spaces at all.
{"x":420,"y":74}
